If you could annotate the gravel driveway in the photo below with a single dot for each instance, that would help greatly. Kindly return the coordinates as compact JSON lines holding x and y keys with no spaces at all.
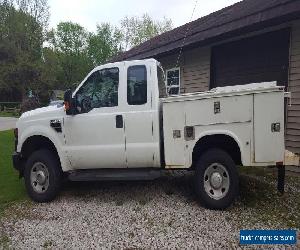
{"x":157,"y":214}
{"x":7,"y":123}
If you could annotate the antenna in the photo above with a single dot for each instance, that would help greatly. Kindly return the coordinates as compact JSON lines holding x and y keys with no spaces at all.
{"x":186,"y":32}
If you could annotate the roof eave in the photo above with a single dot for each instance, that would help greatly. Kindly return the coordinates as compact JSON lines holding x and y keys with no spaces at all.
{"x":265,"y":19}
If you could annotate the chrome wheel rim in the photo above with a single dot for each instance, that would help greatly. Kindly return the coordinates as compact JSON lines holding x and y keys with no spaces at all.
{"x":39,"y":177}
{"x":216,"y":181}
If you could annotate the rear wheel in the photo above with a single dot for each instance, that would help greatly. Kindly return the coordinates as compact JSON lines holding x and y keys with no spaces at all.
{"x":216,"y":179}
{"x":43,"y":176}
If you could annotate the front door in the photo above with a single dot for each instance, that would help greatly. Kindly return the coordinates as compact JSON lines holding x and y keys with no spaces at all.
{"x":94,"y":137}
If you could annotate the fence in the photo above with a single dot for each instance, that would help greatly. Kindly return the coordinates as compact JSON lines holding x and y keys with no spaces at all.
{"x":11,"y":107}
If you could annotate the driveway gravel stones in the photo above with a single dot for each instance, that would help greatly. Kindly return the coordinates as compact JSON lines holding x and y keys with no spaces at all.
{"x":157,"y":214}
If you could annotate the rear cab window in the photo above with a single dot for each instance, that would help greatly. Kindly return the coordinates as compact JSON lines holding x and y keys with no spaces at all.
{"x":137,"y":85}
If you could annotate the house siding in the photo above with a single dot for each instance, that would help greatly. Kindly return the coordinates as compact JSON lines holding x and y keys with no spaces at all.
{"x":195,"y":76}
{"x":293,"y":114}
{"x":194,"y":69}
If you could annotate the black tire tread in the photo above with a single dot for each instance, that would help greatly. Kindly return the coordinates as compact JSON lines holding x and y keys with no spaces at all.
{"x":211,"y":156}
{"x":55,"y":175}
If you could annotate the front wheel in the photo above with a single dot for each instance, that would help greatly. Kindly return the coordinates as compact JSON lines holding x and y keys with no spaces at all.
{"x":43,"y":176}
{"x":216,"y":179}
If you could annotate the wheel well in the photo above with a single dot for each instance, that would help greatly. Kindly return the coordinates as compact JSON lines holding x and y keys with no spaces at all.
{"x":221,"y":141}
{"x":35,"y":143}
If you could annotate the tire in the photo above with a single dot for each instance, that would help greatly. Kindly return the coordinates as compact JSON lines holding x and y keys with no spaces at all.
{"x":216,"y":179}
{"x":43,"y":176}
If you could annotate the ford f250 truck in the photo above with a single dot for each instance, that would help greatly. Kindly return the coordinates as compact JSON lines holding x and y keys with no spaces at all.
{"x":115,"y":126}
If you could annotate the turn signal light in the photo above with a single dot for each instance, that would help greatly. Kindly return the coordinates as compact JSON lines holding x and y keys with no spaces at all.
{"x":67,"y":105}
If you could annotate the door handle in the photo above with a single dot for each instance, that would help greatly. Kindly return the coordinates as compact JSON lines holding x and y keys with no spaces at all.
{"x":119,"y":121}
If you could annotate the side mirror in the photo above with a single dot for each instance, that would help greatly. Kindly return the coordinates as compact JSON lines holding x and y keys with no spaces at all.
{"x":68,"y":102}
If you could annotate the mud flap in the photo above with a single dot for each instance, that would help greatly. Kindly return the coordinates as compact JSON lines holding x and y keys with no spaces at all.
{"x":281,"y":178}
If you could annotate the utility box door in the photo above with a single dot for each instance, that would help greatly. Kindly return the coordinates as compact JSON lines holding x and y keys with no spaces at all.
{"x":173,"y":120}
{"x":268,"y":111}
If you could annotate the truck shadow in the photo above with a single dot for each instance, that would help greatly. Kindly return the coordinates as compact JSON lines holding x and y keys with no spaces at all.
{"x":255,"y":189}
{"x":175,"y":183}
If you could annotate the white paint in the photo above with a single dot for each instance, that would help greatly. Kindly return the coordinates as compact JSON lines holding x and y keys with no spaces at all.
{"x":91,"y":140}
{"x":173,"y":119}
{"x":142,"y":145}
{"x":39,"y":111}
{"x":245,"y":87}
{"x":235,"y":120}
{"x":268,"y":145}
{"x":37,"y":122}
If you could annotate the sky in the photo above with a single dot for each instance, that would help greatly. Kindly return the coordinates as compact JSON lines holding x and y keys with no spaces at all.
{"x":90,"y":12}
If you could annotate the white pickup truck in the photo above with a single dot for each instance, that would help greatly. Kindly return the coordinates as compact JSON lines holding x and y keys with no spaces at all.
{"x":115,"y":126}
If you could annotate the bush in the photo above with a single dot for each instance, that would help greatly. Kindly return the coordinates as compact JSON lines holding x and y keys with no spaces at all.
{"x":30,"y":103}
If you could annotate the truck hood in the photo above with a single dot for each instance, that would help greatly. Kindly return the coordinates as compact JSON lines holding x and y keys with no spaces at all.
{"x":45,"y":112}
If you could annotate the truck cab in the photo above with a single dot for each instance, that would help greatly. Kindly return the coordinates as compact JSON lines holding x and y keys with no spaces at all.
{"x":115,"y":113}
{"x":115,"y":126}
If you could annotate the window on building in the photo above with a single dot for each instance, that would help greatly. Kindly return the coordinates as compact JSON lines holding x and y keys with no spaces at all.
{"x":137,"y":85}
{"x":173,"y":81}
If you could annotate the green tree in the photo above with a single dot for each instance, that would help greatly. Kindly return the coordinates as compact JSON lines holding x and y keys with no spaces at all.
{"x":51,"y":69}
{"x":37,"y":9}
{"x":137,"y":30}
{"x":70,"y":42}
{"x":71,"y":50}
{"x":21,"y":40}
{"x":105,"y":43}
{"x":70,"y":38}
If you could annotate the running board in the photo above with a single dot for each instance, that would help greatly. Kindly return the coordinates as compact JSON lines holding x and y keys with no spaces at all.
{"x":114,"y":174}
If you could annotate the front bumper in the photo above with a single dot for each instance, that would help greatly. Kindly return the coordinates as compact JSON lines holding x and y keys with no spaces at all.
{"x":18,"y":162}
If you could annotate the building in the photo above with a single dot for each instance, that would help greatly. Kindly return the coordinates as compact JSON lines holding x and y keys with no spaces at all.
{"x":250,"y":41}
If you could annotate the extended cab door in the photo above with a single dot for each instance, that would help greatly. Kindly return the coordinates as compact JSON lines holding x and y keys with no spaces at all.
{"x":141,"y":115}
{"x":94,"y":137}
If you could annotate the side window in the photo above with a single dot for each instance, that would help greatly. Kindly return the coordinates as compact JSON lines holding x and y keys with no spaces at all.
{"x":173,"y":81}
{"x":99,"y":90}
{"x":137,"y":85}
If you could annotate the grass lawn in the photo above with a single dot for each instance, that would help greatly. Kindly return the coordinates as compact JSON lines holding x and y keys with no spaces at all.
{"x":8,"y":114}
{"x":11,"y":187}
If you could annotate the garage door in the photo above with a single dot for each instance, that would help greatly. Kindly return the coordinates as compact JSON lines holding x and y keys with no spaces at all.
{"x":255,"y":59}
